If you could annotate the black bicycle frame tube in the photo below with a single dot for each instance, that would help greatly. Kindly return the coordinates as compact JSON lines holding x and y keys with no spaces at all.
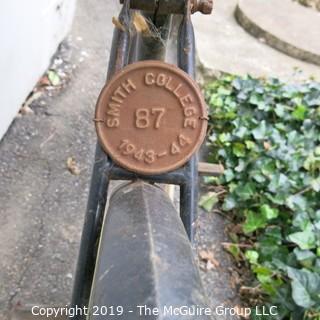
{"x":186,"y":61}
{"x":99,"y":180}
{"x":105,"y":170}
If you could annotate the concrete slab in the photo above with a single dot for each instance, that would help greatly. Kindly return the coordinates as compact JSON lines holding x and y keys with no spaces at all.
{"x":285,"y":25}
{"x":223,"y":45}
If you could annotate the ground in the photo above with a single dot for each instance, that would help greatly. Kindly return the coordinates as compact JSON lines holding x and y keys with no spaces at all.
{"x":43,"y":203}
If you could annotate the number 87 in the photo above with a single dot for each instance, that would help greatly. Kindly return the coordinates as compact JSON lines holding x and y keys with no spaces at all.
{"x":143,"y":117}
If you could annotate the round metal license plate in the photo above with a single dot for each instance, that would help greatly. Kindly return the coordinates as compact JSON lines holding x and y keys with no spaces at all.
{"x":151,"y":117}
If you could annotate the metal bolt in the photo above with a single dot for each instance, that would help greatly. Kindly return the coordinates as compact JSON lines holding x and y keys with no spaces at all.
{"x":203,"y":6}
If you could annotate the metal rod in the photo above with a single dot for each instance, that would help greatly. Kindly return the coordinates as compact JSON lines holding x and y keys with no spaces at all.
{"x":186,"y":61}
{"x":177,"y":177}
{"x":99,"y":181}
{"x":171,"y":6}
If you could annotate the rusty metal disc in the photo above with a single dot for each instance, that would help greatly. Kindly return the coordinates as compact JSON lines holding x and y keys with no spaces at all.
{"x":151,"y":117}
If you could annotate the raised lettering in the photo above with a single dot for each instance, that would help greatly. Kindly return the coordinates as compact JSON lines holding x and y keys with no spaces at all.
{"x":119,"y":92}
{"x":175,"y":148}
{"x":189,"y":111}
{"x":114,"y":109}
{"x":168,"y":84}
{"x":185,"y":100}
{"x":175,"y":92}
{"x":190,"y":122}
{"x":113,"y":123}
{"x":129,"y":85}
{"x":150,"y":157}
{"x":183,"y":141}
{"x":161,"y":79}
{"x":139,"y":155}
{"x":149,"y":78}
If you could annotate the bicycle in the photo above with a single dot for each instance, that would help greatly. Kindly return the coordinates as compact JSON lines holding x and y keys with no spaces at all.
{"x":138,"y":254}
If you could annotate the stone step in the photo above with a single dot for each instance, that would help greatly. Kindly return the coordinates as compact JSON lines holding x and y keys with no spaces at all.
{"x":284,"y":25}
{"x":223,"y":45}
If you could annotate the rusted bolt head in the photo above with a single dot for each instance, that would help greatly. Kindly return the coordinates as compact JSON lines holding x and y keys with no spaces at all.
{"x":203,"y":6}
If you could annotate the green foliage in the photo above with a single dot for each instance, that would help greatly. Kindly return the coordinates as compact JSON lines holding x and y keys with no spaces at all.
{"x":208,"y":201}
{"x":267,"y":135}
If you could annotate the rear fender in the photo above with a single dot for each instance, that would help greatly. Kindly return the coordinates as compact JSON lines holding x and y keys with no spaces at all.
{"x":145,"y":258}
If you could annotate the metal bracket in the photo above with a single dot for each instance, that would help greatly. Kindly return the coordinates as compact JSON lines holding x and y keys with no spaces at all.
{"x":171,"y":6}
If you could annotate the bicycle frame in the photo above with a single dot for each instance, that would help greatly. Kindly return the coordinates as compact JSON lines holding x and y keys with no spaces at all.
{"x":105,"y":169}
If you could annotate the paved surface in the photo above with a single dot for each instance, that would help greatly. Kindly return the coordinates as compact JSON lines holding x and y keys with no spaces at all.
{"x":285,"y":25}
{"x":42,"y":203}
{"x":231,"y":49}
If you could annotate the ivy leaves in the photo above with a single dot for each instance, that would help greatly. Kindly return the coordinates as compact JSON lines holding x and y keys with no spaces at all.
{"x":257,"y":220}
{"x":267,"y":134}
{"x":305,"y":287}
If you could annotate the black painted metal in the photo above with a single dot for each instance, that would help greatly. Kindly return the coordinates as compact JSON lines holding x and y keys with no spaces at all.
{"x":186,"y":61}
{"x":99,"y":182}
{"x":105,"y":170}
{"x":161,"y":7}
{"x":145,"y":258}
{"x":177,"y":177}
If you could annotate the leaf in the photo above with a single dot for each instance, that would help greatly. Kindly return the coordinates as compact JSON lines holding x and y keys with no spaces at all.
{"x":73,"y":166}
{"x":258,"y":177}
{"x":252,"y":256}
{"x":260,"y":132}
{"x":297,"y":202}
{"x":305,"y":257}
{"x":223,"y":91}
{"x":239,"y":149}
{"x":299,"y":112}
{"x":53,"y":77}
{"x":224,"y":137}
{"x":305,"y":287}
{"x":253,"y":221}
{"x":229,"y":203}
{"x":250,"y":144}
{"x":210,"y":180}
{"x":315,"y":184}
{"x":304,"y":239}
{"x":279,"y":181}
{"x":240,"y":132}
{"x":300,"y":295}
{"x":208,"y":257}
{"x":228,"y":175}
{"x":313,"y":99}
{"x":268,"y":212}
{"x":263,"y":273}
{"x":208,"y":201}
{"x":234,"y":250}
{"x":280,"y":110}
{"x":246,"y":191}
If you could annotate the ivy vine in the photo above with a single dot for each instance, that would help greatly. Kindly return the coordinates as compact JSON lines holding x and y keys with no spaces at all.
{"x":266,"y":133}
